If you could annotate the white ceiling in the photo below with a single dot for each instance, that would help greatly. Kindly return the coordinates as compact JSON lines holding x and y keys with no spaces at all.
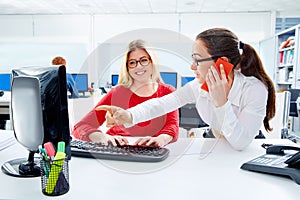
{"x":143,"y":6}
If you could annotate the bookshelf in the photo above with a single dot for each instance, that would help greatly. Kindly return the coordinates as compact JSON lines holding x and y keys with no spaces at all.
{"x":286,"y":68}
{"x":287,"y":72}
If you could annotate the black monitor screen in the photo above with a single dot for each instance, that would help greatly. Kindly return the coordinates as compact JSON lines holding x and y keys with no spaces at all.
{"x":186,"y":79}
{"x":114,"y":79}
{"x":81,"y":81}
{"x":169,"y":78}
{"x":5,"y":82}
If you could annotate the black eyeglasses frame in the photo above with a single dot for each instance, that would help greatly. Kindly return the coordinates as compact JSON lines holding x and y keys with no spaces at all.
{"x":197,"y":61}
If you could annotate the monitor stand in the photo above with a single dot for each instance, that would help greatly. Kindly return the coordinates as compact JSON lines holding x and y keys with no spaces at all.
{"x":23,"y":167}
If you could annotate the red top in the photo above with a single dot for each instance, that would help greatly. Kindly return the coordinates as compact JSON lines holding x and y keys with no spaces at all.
{"x":125,"y":98}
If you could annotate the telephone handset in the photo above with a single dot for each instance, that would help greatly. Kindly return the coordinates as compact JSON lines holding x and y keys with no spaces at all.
{"x":293,"y":161}
{"x":227,"y":68}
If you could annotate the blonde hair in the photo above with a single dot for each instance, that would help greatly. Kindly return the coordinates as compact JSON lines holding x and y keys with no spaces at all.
{"x":124,"y":78}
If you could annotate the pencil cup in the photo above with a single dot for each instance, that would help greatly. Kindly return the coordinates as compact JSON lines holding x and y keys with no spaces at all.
{"x":55,"y":177}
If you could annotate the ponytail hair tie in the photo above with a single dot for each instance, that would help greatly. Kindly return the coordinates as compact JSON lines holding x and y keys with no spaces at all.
{"x":241,"y":46}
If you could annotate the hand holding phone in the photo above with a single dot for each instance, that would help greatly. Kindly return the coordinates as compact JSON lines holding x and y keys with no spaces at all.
{"x":227,"y":68}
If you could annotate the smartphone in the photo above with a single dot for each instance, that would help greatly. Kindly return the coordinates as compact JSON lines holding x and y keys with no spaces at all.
{"x":227,"y":67}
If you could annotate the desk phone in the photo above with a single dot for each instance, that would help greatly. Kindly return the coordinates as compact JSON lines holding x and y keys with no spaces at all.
{"x":278,"y":160}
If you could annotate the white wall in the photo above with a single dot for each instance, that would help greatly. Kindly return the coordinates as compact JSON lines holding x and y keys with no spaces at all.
{"x":249,"y":27}
{"x":35,"y":40}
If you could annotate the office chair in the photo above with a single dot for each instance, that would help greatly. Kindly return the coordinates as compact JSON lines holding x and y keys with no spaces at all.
{"x":293,"y":104}
{"x":189,"y":118}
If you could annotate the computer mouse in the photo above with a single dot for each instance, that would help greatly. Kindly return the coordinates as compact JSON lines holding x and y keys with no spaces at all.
{"x":1,"y":93}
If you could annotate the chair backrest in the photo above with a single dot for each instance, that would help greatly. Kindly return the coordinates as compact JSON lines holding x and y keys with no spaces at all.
{"x":189,"y":117}
{"x":293,"y":104}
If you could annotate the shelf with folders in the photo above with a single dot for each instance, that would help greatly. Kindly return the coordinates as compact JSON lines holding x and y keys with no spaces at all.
{"x":287,"y":43}
{"x":286,"y":56}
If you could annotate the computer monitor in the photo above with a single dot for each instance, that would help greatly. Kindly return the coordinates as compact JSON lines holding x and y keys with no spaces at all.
{"x":5,"y":82}
{"x":39,"y":109}
{"x":81,"y":81}
{"x":186,"y":79}
{"x":114,"y":79}
{"x":169,"y":78}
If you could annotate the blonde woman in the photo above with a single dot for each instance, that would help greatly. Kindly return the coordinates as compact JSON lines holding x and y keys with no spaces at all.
{"x":139,"y":80}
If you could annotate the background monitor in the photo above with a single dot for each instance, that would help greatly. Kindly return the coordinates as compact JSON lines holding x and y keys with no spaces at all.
{"x":81,"y":81}
{"x":114,"y":79}
{"x":169,"y":78}
{"x":51,"y":97}
{"x":5,"y":82}
{"x":186,"y":79}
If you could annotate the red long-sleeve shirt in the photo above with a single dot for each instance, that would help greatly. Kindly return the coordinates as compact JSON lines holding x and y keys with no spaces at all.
{"x":125,"y":98}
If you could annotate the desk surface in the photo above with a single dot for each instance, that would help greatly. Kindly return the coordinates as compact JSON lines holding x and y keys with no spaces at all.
{"x":196,"y":169}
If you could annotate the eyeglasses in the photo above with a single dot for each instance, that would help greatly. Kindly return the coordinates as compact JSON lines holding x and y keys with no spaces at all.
{"x":198,"y":61}
{"x":133,"y":63}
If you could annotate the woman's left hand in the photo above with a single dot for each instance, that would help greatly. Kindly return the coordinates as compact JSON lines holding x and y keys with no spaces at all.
{"x":218,"y":85}
{"x":158,"y":141}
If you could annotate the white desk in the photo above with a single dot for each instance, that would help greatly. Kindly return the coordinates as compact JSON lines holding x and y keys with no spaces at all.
{"x":212,"y":174}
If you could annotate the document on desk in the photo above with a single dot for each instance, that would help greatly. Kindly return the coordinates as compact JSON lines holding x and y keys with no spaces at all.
{"x":6,"y":139}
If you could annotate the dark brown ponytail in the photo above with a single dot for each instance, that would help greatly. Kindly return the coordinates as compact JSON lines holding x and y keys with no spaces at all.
{"x":251,"y":65}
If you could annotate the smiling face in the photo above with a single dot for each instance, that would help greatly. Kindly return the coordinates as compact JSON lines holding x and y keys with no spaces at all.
{"x":142,"y":72}
{"x":200,"y":68}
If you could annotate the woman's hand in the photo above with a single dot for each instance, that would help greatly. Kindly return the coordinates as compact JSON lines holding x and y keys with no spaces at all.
{"x":218,"y":85}
{"x":158,"y":141}
{"x":117,"y":140}
{"x":105,"y":138}
{"x":116,"y":115}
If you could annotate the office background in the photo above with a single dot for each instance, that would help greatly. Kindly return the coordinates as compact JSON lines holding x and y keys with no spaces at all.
{"x":93,"y":35}
{"x":35,"y":39}
{"x":34,"y":32}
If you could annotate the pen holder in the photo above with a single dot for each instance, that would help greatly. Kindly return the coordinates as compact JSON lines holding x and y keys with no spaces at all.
{"x":55,"y":177}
